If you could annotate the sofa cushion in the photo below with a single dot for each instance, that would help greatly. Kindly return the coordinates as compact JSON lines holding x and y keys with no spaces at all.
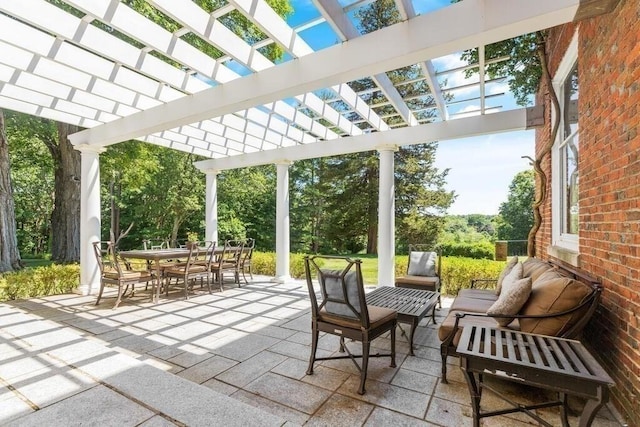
{"x":534,"y":267}
{"x":488,"y":294}
{"x":446,"y":327}
{"x":552,"y":296}
{"x":422,"y":264}
{"x":511,"y":300}
{"x":472,"y":305}
{"x":506,"y":270}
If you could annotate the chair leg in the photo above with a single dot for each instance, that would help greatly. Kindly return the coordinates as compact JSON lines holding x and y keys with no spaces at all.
{"x":314,"y":346}
{"x":186,"y":287}
{"x":120,"y":292}
{"x":393,"y":347}
{"x":100,"y":293}
{"x":443,"y":353}
{"x":365,"y":363}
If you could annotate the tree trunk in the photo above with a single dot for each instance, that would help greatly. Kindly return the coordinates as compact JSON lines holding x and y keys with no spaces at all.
{"x":9,"y":254}
{"x":65,"y":218}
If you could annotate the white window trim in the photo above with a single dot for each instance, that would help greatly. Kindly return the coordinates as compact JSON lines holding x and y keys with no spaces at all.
{"x":561,"y":242}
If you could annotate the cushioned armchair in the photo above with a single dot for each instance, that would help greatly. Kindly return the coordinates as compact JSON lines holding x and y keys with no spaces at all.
{"x":341,"y":310}
{"x":423,"y":270}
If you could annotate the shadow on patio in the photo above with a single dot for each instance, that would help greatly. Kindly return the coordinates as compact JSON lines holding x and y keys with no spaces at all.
{"x":232,"y":358}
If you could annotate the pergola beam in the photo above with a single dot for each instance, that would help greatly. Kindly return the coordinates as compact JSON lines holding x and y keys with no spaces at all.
{"x":507,"y":121}
{"x":421,"y":38}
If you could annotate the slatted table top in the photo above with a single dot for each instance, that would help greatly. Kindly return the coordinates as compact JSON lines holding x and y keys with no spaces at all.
{"x":518,"y":352}
{"x":411,"y":302}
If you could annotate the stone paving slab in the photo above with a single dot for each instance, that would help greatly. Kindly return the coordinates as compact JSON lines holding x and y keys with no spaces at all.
{"x":237,"y":357}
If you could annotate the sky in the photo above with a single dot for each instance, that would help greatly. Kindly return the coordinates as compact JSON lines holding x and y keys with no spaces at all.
{"x":480,"y":168}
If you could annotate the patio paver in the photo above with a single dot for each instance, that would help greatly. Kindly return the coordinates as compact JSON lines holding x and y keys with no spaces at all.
{"x":233,"y":358}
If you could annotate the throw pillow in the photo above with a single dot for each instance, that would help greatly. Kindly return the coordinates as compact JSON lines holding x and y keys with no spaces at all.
{"x":507,"y":269}
{"x":510,"y":301}
{"x":422,"y":264}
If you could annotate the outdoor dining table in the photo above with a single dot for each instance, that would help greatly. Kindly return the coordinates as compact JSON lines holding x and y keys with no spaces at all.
{"x":410,"y":304}
{"x":157,"y":255}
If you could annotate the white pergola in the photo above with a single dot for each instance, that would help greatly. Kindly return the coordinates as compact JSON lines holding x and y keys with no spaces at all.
{"x":103,"y":66}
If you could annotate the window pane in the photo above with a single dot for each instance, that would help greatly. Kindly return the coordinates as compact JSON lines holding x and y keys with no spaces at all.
{"x":571,"y":168}
{"x":569,"y":153}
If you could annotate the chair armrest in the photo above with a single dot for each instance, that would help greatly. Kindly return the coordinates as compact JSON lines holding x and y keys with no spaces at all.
{"x":474,"y":281}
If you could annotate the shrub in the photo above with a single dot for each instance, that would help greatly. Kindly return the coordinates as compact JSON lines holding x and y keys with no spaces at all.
{"x":265,"y":263}
{"x":39,"y":281}
{"x":457,"y":272}
{"x":477,"y":250}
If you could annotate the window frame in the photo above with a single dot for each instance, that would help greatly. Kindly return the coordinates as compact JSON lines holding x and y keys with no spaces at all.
{"x":562,"y":241}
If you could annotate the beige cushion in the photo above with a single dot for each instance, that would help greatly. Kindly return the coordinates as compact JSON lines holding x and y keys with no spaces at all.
{"x":511,"y":300}
{"x":512,"y":277}
{"x":554,"y":296}
{"x":418,"y":282}
{"x":506,"y":270}
{"x":377,"y":317}
{"x":485,"y":294}
{"x":472,"y":305}
{"x":446,"y":327}
{"x":534,"y":267}
{"x":422,"y":264}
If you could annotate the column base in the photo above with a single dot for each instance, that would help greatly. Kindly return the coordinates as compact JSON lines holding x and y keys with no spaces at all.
{"x":282,"y":279}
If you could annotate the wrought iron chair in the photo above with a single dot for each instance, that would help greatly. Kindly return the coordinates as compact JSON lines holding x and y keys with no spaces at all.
{"x":116,"y":271}
{"x":423,"y":270}
{"x":342,"y":311}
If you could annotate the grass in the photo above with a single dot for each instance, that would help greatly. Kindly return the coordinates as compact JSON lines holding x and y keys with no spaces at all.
{"x":369,"y":266}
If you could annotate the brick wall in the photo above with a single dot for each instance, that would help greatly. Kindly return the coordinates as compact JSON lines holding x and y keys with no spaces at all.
{"x":609,"y":164}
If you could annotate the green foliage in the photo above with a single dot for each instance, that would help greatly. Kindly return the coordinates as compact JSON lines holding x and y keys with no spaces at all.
{"x":457,"y":272}
{"x":264,"y":263}
{"x":470,"y":236}
{"x":39,"y":281}
{"x":32,"y":177}
{"x":516,"y":214}
{"x":523,"y":64}
{"x":477,"y":250}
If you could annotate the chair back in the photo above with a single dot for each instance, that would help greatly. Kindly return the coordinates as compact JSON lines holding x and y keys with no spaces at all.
{"x":342,"y":291}
{"x":423,"y":261}
{"x":247,"y":251}
{"x":107,"y":257}
{"x":231,"y":252}
{"x":194,"y":254}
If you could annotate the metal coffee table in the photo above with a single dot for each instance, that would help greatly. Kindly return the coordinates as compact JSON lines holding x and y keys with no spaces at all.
{"x":410,"y":304}
{"x":551,"y":363}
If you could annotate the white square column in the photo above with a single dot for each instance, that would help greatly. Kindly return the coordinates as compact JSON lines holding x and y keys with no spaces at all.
{"x":386,"y":216}
{"x":90,"y":218}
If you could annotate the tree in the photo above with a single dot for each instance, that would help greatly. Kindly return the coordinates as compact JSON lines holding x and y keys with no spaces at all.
{"x":9,"y":254}
{"x":516,"y":213}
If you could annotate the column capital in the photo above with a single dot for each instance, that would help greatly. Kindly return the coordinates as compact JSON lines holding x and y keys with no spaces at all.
{"x":87,"y":148}
{"x":387,"y":147}
{"x":210,"y":171}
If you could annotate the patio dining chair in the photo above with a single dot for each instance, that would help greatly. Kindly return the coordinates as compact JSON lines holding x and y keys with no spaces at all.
{"x":227,"y":261}
{"x":188,"y":271}
{"x":115,"y":271}
{"x":342,"y":310}
{"x":245,"y":259}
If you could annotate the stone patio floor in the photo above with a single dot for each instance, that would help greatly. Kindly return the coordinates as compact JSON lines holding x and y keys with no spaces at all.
{"x":229,"y":358}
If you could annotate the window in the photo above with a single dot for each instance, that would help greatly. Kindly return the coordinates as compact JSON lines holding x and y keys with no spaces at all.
{"x":565,"y":174}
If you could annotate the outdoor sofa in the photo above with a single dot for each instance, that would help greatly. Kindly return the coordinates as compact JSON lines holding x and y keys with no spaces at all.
{"x":533,"y":296}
